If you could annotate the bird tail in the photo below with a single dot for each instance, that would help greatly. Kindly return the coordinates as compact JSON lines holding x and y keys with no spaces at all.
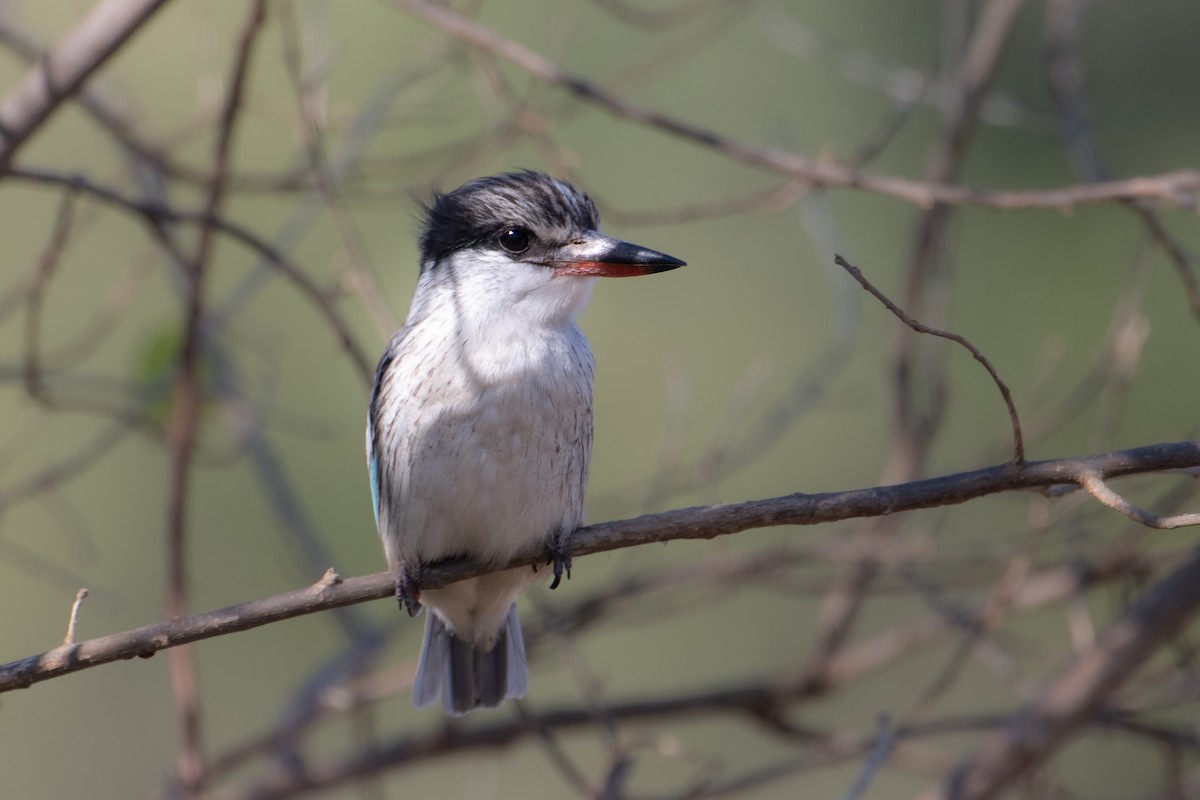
{"x":466,"y":677}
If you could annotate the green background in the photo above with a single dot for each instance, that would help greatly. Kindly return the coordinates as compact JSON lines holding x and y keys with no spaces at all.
{"x":685,"y":360}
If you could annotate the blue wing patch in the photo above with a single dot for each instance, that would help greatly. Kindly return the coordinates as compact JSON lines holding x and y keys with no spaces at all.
{"x":373,"y":466}
{"x":372,"y":433}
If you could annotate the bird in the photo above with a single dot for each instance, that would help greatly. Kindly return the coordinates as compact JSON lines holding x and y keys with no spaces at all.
{"x":479,"y":431}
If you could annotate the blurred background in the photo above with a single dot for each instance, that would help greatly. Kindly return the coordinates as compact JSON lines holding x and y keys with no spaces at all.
{"x":759,"y":370}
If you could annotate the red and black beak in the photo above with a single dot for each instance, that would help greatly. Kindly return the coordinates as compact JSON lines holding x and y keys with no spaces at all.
{"x":595,"y":254}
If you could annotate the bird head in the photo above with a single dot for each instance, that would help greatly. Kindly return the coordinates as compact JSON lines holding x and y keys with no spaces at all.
{"x":525,"y":240}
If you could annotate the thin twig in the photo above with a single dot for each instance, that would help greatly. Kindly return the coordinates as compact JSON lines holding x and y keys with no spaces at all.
{"x":970,"y":56}
{"x":73,"y":620}
{"x":1178,"y":188}
{"x":48,"y":261}
{"x":361,"y":273}
{"x":1064,"y":73}
{"x":885,"y":742}
{"x":1093,"y":482}
{"x":155,"y":215}
{"x":1018,"y":457}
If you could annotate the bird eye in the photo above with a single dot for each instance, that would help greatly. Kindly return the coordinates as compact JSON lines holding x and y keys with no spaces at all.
{"x":515,"y":240}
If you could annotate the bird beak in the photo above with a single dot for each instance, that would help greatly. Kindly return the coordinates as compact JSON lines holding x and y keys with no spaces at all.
{"x":603,"y":256}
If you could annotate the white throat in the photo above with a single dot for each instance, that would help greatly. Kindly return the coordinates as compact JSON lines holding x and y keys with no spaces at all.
{"x":500,"y":317}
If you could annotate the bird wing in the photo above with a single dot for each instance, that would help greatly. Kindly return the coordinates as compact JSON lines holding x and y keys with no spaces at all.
{"x":375,"y":465}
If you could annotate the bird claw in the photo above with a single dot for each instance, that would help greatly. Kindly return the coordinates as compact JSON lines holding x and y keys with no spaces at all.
{"x":408,"y":594}
{"x":558,"y":553}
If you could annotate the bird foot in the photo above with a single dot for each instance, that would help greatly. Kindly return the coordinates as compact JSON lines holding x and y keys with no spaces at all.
{"x":408,"y":594}
{"x":558,"y":553}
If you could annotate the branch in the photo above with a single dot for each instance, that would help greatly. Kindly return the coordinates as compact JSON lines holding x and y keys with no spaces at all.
{"x":1064,"y":74}
{"x":68,"y":63}
{"x":1093,"y":483}
{"x":184,"y":422}
{"x":1034,"y":733}
{"x":762,"y":700}
{"x":154,"y":214}
{"x":699,"y":522}
{"x":1177,"y":188}
{"x":920,"y":327}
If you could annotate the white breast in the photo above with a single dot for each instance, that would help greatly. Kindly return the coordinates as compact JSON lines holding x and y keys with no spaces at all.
{"x":484,"y":439}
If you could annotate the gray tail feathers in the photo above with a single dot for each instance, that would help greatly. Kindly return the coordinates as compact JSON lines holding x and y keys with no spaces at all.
{"x":468,"y":678}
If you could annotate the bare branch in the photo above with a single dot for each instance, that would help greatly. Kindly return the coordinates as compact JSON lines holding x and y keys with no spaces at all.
{"x":1079,"y":691}
{"x":48,"y":262}
{"x":885,"y":743}
{"x":1064,"y":73}
{"x":68,"y":63}
{"x":700,"y":522}
{"x":1181,"y":187}
{"x":1018,"y":440}
{"x":154,"y":214}
{"x":184,"y":421}
{"x":1094,"y":483}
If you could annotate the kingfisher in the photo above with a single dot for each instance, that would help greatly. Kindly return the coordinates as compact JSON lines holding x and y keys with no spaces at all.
{"x":479,"y":431}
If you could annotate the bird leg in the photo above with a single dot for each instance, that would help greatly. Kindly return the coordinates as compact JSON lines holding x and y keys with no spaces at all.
{"x":558,"y":553}
{"x":408,"y":594}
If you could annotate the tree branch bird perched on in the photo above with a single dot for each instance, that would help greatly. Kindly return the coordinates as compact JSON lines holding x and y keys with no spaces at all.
{"x":480,"y":425}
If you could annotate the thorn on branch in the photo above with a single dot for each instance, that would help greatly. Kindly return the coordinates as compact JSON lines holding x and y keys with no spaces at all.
{"x":1018,"y":457}
{"x":329,"y":579}
{"x":69,"y":639}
